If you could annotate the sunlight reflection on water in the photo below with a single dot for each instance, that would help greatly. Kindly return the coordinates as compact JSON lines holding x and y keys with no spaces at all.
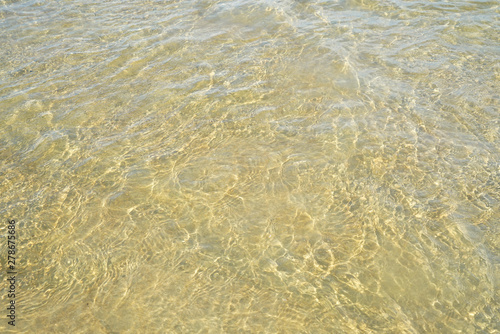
{"x":261,"y":167}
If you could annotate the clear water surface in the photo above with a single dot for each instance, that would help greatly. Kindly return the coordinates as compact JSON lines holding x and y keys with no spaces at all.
{"x":252,"y":166}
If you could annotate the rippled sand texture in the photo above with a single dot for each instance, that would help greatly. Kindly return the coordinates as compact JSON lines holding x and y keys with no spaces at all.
{"x":252,"y":166}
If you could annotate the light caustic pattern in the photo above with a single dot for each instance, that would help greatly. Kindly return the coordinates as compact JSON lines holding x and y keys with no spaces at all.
{"x":252,"y":166}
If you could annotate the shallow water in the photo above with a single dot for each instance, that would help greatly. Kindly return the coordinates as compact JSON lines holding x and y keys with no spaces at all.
{"x":252,"y":166}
